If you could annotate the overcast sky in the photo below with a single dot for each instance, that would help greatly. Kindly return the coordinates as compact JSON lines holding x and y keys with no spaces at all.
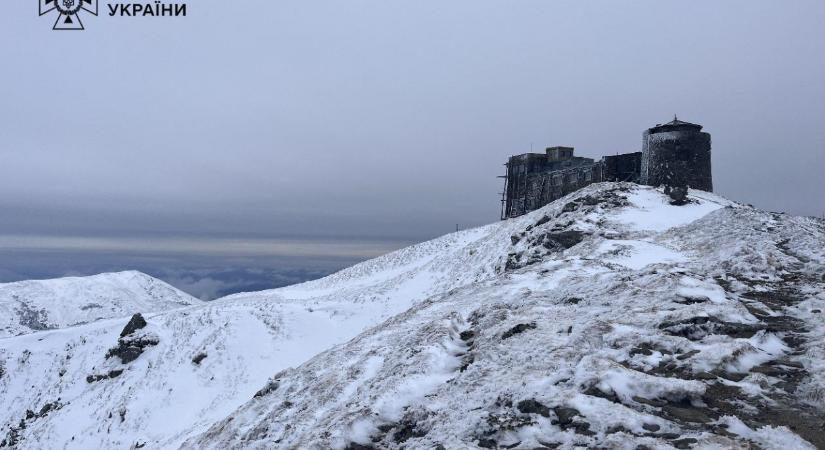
{"x":384,"y":120}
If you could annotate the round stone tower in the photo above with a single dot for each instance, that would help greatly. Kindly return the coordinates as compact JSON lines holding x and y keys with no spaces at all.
{"x":677,"y":154}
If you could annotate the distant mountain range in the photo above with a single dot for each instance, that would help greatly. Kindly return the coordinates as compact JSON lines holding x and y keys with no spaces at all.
{"x":38,"y":305}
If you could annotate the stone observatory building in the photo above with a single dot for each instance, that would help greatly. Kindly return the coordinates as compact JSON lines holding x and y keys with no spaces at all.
{"x":675,"y":154}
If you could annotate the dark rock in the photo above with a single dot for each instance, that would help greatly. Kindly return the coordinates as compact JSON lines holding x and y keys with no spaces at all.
{"x":589,"y":200}
{"x":510,"y":420}
{"x":570,"y":207}
{"x":617,"y":429}
{"x":406,"y":431}
{"x":643,"y":447}
{"x":532,"y":406}
{"x":687,"y":355}
{"x":44,"y":410}
{"x":572,"y":300}
{"x":487,"y":443}
{"x":705,"y":376}
{"x":468,"y":359}
{"x":566,"y":239}
{"x":723,"y":399}
{"x":357,"y":446}
{"x":542,"y":221}
{"x":504,"y":401}
{"x":678,"y":195}
{"x":580,"y":427}
{"x":135,"y":323}
{"x":541,"y":245}
{"x":652,"y":402}
{"x":642,"y":349}
{"x":565,"y":415}
{"x":467,"y":335}
{"x":789,"y":363}
{"x":520,"y":328}
{"x":686,"y":414}
{"x":735,"y":377}
{"x":96,"y":378}
{"x":692,"y":300}
{"x":513,"y":261}
{"x":129,"y":348}
{"x":775,"y":299}
{"x":769,"y":370}
{"x":652,"y":427}
{"x":198,"y":358}
{"x":271,"y":386}
{"x":596,"y":392}
{"x":684,"y":443}
{"x":666,"y":435}
{"x":816,"y":311}
{"x":699,"y":327}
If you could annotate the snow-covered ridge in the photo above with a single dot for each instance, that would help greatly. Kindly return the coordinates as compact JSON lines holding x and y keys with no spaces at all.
{"x":606,"y":319}
{"x":620,"y":321}
{"x":238,"y":341}
{"x":37,"y":305}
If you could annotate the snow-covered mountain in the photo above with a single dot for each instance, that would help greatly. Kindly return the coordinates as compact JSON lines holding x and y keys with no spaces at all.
{"x":165,"y":396}
{"x":608,"y":319}
{"x":37,"y":305}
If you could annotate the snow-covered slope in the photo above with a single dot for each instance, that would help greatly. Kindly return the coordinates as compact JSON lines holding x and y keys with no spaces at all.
{"x":165,"y":396}
{"x":28,"y":306}
{"x":620,"y":322}
{"x":607,"y":319}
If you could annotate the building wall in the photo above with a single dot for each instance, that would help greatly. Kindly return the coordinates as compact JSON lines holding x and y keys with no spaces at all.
{"x":624,"y":167}
{"x":677,"y":158}
{"x":530,"y":191}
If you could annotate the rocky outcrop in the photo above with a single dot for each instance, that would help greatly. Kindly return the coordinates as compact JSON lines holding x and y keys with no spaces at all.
{"x":132,"y":342}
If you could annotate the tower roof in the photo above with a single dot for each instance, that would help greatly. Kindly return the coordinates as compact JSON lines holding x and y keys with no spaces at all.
{"x":674,"y":125}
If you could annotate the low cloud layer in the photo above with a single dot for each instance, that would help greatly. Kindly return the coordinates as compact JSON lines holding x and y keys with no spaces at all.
{"x":207,"y":268}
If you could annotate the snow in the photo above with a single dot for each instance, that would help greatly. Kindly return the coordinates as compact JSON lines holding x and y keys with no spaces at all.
{"x":637,"y":255}
{"x":574,"y":346}
{"x":438,"y":343}
{"x":654,"y":213}
{"x":28,"y":306}
{"x":693,"y":288}
{"x":247,"y":337}
{"x":763,"y":347}
{"x":767,"y":436}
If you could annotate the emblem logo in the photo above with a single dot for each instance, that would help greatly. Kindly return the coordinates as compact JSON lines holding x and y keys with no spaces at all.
{"x":68,"y":17}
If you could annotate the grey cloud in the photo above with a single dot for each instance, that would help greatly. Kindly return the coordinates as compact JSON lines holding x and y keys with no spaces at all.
{"x":360,"y":119}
